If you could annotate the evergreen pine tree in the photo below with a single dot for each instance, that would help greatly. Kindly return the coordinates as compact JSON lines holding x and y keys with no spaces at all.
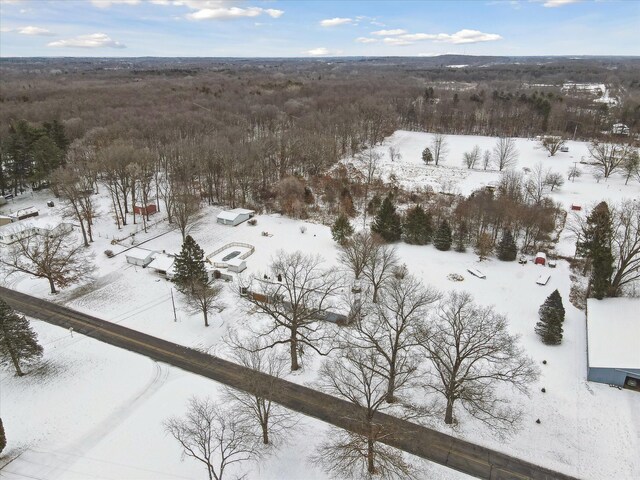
{"x":461,"y":236}
{"x":341,"y":229}
{"x":417,"y":226}
{"x":387,"y":222}
{"x":18,"y":342}
{"x":189,"y":266}
{"x":507,"y":250}
{"x":3,"y":437}
{"x":596,"y":246}
{"x":551,"y":315}
{"x":442,"y":238}
{"x":427,"y":156}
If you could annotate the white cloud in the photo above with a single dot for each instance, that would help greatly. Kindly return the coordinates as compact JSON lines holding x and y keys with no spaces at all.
{"x":396,"y":41}
{"x":558,"y":3}
{"x":222,"y":13}
{"x":273,"y":13}
{"x":318,"y":52}
{"x":366,"y":40}
{"x":35,"y":31}
{"x":419,"y":36}
{"x":108,"y":3}
{"x":467,"y":36}
{"x":95,"y":40}
{"x":332,"y":22}
{"x":387,"y":33}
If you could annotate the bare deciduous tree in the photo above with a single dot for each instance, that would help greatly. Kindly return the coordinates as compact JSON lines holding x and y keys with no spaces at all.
{"x":574,"y":172}
{"x":394,"y":154}
{"x":609,"y":157}
{"x":356,"y":251}
{"x":389,"y":329}
{"x":212,"y":435}
{"x":472,"y":157}
{"x":486,"y":159}
{"x":439,"y":148}
{"x":625,"y":245}
{"x":369,"y":163}
{"x":552,"y":143}
{"x":185,"y":206}
{"x":272,"y":421}
{"x":76,"y":190}
{"x":202,"y":298}
{"x":379,"y":266}
{"x":537,"y":186}
{"x":505,"y":153}
{"x":471,"y":352}
{"x":55,"y":255}
{"x":296,"y":302}
{"x":354,"y":376}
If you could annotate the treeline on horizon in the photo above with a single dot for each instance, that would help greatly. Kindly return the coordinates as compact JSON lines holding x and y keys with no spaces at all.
{"x":240,"y":127}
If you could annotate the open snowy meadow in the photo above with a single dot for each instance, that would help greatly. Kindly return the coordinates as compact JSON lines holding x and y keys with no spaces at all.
{"x":94,"y":410}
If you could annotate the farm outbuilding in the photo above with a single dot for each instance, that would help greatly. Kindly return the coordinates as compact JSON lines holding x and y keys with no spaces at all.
{"x":235,"y":217}
{"x":139,"y":256}
{"x":541,"y":258}
{"x":148,"y":210}
{"x":613,"y":330}
{"x":162,"y":264}
{"x":236,"y":265}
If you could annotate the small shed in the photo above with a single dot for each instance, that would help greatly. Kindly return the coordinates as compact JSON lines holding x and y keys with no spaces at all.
{"x":576,"y":207}
{"x":236,"y":265}
{"x":541,"y":258}
{"x":4,"y":220}
{"x":139,"y":256}
{"x":163,"y":265}
{"x":613,"y":330}
{"x":235,"y":217}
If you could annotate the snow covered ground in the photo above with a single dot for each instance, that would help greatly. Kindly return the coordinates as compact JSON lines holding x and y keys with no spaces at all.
{"x":114,"y":402}
{"x":95,"y":412}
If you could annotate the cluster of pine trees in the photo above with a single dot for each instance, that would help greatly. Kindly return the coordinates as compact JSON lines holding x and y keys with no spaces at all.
{"x":419,"y":227}
{"x":30,"y":154}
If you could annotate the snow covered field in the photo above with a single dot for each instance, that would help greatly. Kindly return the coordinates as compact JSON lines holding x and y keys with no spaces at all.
{"x":108,"y":404}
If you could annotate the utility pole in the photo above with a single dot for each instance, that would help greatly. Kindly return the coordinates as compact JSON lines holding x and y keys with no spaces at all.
{"x":175,"y":317}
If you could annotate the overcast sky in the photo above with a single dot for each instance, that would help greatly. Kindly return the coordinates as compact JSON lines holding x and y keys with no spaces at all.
{"x":260,"y":28}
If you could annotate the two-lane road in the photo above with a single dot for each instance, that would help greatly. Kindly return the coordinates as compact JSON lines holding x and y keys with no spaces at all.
{"x":412,"y":438}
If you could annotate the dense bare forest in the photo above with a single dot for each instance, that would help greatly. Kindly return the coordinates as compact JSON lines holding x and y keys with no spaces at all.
{"x":235,"y":131}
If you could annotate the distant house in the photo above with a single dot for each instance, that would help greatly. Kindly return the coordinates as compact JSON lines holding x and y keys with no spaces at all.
{"x":139,"y":256}
{"x":620,"y":129}
{"x":541,"y":258}
{"x":613,"y":330}
{"x":13,"y":232}
{"x":234,"y":217}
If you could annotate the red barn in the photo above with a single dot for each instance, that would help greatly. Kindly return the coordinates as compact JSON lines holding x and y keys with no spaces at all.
{"x":148,"y":210}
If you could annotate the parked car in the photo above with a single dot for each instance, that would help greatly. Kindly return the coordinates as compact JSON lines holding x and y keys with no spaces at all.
{"x":564,"y":148}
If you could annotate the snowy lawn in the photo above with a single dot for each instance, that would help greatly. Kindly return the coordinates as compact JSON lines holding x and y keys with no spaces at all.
{"x":96,"y":411}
